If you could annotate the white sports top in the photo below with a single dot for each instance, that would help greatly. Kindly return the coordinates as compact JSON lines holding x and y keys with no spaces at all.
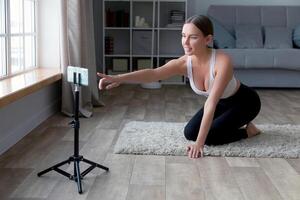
{"x":229,"y":90}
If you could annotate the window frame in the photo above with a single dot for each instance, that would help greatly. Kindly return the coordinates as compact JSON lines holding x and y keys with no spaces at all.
{"x":8,"y":35}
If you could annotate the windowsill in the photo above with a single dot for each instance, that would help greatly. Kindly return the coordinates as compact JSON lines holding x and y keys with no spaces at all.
{"x":16,"y":87}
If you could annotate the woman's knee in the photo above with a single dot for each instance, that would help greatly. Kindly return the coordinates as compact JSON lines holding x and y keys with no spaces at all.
{"x":190,"y":133}
{"x":256,"y":106}
{"x":253,"y":111}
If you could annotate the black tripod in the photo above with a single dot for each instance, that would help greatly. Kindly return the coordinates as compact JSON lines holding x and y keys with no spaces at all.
{"x":76,"y":158}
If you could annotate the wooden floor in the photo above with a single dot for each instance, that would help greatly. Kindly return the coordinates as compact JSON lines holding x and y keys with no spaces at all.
{"x":135,"y":177}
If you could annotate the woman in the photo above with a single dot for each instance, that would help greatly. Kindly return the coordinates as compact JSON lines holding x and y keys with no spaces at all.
{"x":230,"y":106}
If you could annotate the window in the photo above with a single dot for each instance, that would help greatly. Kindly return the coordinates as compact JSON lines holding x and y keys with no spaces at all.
{"x":17,"y":36}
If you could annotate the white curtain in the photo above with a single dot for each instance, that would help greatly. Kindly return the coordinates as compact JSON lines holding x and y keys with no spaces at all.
{"x":77,"y":48}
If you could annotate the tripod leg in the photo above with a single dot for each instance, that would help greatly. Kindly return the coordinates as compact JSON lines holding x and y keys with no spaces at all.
{"x":95,"y":164}
{"x":53,"y":167}
{"x":78,"y":176}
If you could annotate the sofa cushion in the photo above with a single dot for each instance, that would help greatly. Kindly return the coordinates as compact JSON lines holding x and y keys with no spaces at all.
{"x":265,"y":58}
{"x":278,"y":37}
{"x":248,"y":36}
{"x":296,"y":36}
{"x":222,"y":38}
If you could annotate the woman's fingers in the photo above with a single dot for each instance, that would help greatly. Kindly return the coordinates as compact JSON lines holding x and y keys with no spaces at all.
{"x":201,"y":153}
{"x":101,"y":83}
{"x":107,"y":77}
{"x":195,"y":153}
{"x":191,"y":152}
{"x":112,"y":85}
{"x":107,"y":81}
{"x":106,"y":84}
{"x":102,"y":75}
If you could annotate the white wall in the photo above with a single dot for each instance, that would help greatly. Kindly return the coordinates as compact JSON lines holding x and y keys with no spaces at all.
{"x":201,"y":6}
{"x":22,"y":116}
{"x":48,"y":33}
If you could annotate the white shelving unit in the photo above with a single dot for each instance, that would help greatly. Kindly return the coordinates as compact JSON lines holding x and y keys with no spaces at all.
{"x":129,"y":45}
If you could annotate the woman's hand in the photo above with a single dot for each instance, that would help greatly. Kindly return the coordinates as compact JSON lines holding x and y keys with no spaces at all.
{"x":107,"y":81}
{"x":195,"y":150}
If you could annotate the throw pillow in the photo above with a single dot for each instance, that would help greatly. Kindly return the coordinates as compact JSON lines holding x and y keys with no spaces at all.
{"x":296,"y":36}
{"x":248,"y":36}
{"x":222,"y":38}
{"x":278,"y":37}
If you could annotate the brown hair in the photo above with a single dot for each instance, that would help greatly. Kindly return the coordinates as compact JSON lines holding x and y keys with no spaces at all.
{"x":203,"y":23}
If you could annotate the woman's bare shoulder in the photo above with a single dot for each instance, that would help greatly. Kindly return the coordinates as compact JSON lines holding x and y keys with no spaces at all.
{"x":222,"y":57}
{"x":178,"y":64}
{"x":181,"y":61}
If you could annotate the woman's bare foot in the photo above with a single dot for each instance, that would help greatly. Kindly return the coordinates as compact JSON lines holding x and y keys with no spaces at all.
{"x":252,"y":130}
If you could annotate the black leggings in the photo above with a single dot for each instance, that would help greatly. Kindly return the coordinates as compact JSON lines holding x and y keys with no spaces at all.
{"x":230,"y":115}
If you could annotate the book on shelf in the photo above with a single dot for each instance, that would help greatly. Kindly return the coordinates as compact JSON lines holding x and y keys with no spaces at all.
{"x":176,"y":18}
{"x":109,"y":45}
{"x":119,"y":18}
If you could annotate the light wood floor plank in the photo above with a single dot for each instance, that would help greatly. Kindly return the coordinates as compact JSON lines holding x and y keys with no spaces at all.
{"x":217,"y":179}
{"x":98,"y":145}
{"x":67,"y":189}
{"x":136,"y":110}
{"x":113,"y":117}
{"x":36,"y":151}
{"x":148,"y":170}
{"x":295,"y":163}
{"x":183,"y":182}
{"x":174,"y":113}
{"x":36,"y":187}
{"x":252,"y":179}
{"x":10,"y":179}
{"x":283,"y":176}
{"x":146,"y":192}
{"x":242,"y":162}
{"x":114,"y":184}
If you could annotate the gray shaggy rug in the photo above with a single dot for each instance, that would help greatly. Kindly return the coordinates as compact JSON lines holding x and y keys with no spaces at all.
{"x":166,"y":138}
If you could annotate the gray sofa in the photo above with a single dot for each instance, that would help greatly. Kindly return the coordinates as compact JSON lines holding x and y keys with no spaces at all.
{"x":262,"y":67}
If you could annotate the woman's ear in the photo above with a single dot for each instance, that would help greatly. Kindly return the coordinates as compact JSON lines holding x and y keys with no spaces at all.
{"x":209,"y":40}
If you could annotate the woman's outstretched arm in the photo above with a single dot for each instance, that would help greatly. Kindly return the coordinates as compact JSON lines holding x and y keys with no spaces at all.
{"x":173,"y":67}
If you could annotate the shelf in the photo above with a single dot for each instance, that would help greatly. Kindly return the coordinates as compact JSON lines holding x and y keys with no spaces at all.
{"x":170,"y":43}
{"x":183,"y":1}
{"x":142,"y":1}
{"x":117,"y":55}
{"x":117,"y":28}
{"x":147,"y":38}
{"x":170,"y":29}
{"x":116,"y":41}
{"x":177,"y":9}
{"x":142,"y":13}
{"x":116,"y":0}
{"x":148,"y":55}
{"x":140,"y":28}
